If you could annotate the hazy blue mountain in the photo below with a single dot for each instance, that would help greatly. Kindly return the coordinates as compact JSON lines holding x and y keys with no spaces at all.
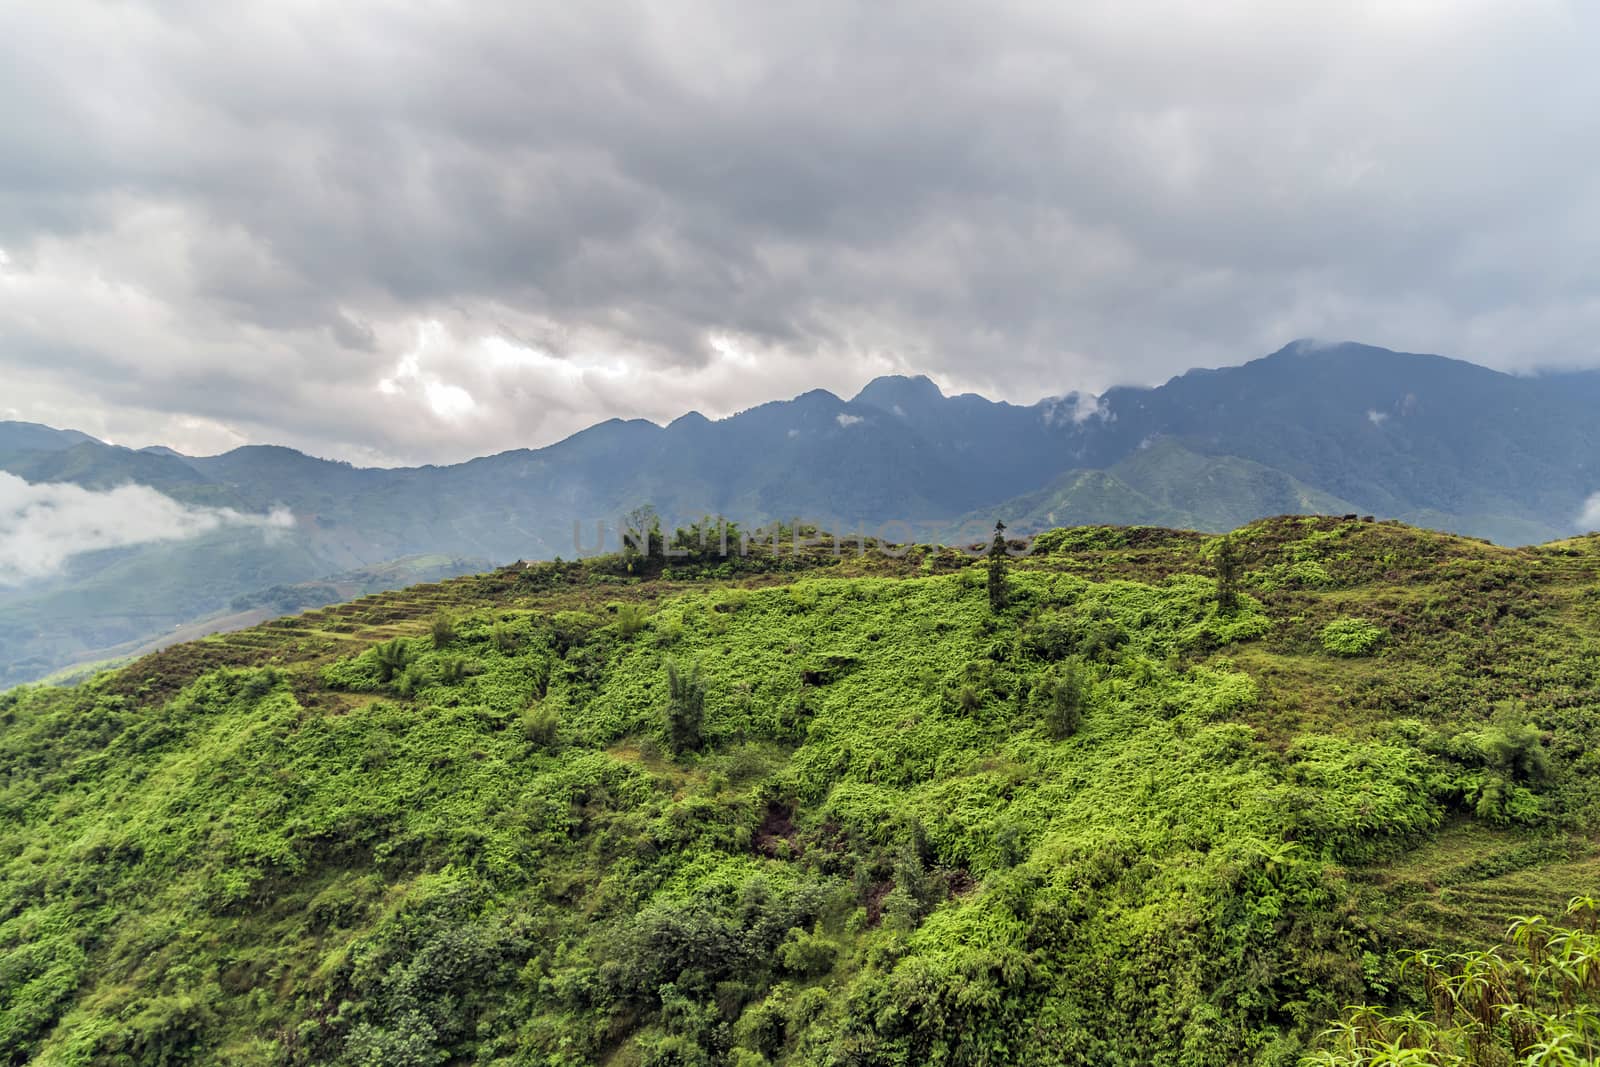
{"x":94,"y":465}
{"x":1391,"y":432}
{"x":30,"y":436}
{"x":1341,"y":428}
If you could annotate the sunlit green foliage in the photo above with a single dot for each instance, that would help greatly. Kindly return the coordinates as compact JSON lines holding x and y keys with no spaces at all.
{"x":1351,"y":637}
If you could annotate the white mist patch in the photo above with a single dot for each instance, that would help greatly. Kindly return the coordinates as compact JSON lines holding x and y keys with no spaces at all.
{"x":1589,"y":519}
{"x":1377,"y":418}
{"x":44,"y":525}
{"x":1076,"y":408}
{"x":847,"y":420}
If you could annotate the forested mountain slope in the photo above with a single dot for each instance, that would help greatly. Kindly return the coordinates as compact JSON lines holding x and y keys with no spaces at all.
{"x":799,"y":808}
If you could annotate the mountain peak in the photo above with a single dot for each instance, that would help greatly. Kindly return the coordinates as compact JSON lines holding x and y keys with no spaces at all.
{"x":898,"y":390}
{"x":688,"y":419}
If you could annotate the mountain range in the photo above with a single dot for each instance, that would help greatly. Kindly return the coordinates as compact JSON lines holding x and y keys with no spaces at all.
{"x":1313,"y":427}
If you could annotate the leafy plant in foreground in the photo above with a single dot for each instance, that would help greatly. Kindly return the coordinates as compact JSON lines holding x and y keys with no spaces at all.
{"x":1536,"y":1004}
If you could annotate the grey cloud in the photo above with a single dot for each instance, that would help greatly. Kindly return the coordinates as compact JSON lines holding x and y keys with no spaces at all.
{"x":42,"y":526}
{"x":251,"y":215}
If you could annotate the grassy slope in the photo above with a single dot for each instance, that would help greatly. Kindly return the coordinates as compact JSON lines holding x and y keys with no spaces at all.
{"x":1163,"y":484}
{"x":248,"y":849}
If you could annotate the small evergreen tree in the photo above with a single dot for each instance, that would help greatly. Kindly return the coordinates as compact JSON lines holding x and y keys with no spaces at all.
{"x":443,"y":629}
{"x":1227,"y":575}
{"x":1062,"y":697}
{"x":686,"y":704}
{"x":997,"y":569}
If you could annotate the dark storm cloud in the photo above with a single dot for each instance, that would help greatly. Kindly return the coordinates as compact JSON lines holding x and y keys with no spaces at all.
{"x":421,"y":231}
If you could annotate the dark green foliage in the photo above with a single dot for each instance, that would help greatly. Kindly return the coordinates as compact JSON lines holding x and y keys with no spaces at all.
{"x":640,"y":536}
{"x":999,"y":596}
{"x":686,"y":705}
{"x":1227,"y":576}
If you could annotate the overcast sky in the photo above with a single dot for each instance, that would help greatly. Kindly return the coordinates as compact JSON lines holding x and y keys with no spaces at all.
{"x":408,"y":232}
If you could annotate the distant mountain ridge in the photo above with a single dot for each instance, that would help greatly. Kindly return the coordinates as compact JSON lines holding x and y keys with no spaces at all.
{"x":1311,"y":427}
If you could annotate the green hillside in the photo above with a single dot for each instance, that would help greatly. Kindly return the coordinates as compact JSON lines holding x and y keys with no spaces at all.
{"x":807,"y":809}
{"x":1164,"y":484}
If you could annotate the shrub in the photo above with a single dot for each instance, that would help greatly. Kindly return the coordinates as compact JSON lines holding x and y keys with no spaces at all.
{"x":1352,"y":637}
{"x":393,"y":657}
{"x":807,"y":955}
{"x":540,"y":725}
{"x":262,"y":682}
{"x":630,"y":619}
{"x":455,"y":669}
{"x":571,"y":629}
{"x":410,"y":681}
{"x":1049,"y":637}
{"x":504,"y":638}
{"x":686,"y":702}
{"x":443,"y":630}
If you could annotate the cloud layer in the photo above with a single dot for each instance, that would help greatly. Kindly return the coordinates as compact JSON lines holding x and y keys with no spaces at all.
{"x":44,"y":525}
{"x":415,"y":230}
{"x":1589,"y":520}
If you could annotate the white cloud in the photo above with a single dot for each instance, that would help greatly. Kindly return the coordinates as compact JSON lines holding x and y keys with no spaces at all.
{"x":1076,"y":407}
{"x":847,"y":420}
{"x":1377,"y":418}
{"x":44,"y":525}
{"x":1589,"y":521}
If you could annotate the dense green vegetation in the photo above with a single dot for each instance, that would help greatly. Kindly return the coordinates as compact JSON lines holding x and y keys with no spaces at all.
{"x":1080,"y":807}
